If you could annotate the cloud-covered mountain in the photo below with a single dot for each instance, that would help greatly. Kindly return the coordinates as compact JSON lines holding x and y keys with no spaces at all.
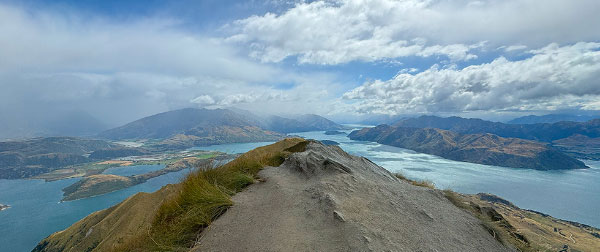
{"x":189,"y":127}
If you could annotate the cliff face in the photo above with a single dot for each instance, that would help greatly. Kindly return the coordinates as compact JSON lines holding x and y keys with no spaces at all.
{"x":486,"y":149}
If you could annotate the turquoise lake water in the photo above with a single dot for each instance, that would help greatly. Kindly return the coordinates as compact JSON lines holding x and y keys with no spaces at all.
{"x":574,"y":195}
{"x":36,"y":210}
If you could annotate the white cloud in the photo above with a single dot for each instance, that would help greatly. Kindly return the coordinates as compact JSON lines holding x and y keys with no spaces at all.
{"x":515,"y":48}
{"x":203,"y":100}
{"x":121,"y":71}
{"x":553,"y":78}
{"x":335,"y":32}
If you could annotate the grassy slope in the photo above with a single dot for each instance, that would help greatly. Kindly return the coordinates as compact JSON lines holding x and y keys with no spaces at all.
{"x":171,"y":218}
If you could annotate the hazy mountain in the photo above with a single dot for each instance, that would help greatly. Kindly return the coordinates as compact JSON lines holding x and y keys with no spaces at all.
{"x":71,"y":123}
{"x":552,"y":118}
{"x":22,"y":159}
{"x":299,"y":123}
{"x":484,"y":148}
{"x":179,"y":129}
{"x":212,"y":126}
{"x":545,"y":132}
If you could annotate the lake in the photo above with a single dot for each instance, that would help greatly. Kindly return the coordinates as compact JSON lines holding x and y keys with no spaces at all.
{"x":36,"y":210}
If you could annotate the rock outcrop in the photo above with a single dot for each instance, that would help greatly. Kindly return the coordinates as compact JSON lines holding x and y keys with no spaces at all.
{"x":324,"y":199}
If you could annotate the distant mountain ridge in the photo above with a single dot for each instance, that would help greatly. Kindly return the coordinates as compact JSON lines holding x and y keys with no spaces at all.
{"x":552,"y":118}
{"x":215,"y":126}
{"x":299,"y":123}
{"x":484,"y":148}
{"x":545,"y":132}
{"x":23,"y":159}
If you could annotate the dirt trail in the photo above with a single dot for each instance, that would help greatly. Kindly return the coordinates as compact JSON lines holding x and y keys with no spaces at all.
{"x":323,"y":199}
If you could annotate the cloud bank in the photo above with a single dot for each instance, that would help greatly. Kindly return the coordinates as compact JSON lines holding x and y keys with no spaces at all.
{"x":554,"y":77}
{"x":337,"y":32}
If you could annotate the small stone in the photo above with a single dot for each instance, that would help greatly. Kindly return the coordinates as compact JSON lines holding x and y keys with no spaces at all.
{"x":338,"y":216}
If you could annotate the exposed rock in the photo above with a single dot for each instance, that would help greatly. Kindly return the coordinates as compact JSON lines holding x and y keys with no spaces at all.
{"x":324,"y":199}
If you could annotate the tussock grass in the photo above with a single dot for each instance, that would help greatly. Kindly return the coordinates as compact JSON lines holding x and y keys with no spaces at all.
{"x":422,"y":183}
{"x":205,"y":195}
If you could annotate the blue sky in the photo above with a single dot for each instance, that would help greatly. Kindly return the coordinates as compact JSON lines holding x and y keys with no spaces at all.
{"x":346,"y":59}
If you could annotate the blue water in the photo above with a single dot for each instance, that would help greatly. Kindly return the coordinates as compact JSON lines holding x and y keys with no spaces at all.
{"x":132,"y":170}
{"x":36,"y":210}
{"x":572,"y":194}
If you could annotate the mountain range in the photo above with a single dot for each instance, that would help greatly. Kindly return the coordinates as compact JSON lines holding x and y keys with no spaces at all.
{"x":483,"y":148}
{"x":193,"y":127}
{"x":552,"y":118}
{"x":23,"y":159}
{"x":544,"y":132}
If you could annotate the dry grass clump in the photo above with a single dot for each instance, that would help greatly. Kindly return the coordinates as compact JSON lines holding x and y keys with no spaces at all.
{"x":205,"y":195}
{"x":421,"y":183}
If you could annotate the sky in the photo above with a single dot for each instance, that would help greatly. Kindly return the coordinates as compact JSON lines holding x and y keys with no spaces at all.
{"x":122,"y":60}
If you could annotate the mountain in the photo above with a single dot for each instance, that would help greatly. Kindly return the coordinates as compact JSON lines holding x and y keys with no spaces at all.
{"x":483,"y":148}
{"x":579,"y":146}
{"x":70,"y":123}
{"x":23,"y":159}
{"x":313,"y":197}
{"x":300,"y":123}
{"x":552,"y":118}
{"x":191,"y":127}
{"x":545,"y":132}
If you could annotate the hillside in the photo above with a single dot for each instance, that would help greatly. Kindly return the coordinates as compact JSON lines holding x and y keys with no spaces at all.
{"x":189,"y":127}
{"x":23,"y":159}
{"x":551,"y":118}
{"x":313,"y":197}
{"x":301,"y":123}
{"x":545,"y":132}
{"x":579,"y":146}
{"x":486,"y":149}
{"x":184,"y":128}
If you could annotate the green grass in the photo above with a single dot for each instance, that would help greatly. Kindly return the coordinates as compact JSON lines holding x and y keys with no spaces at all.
{"x":204,"y":195}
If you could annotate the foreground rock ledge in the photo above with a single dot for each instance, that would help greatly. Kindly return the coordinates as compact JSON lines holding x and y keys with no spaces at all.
{"x":324,"y":199}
